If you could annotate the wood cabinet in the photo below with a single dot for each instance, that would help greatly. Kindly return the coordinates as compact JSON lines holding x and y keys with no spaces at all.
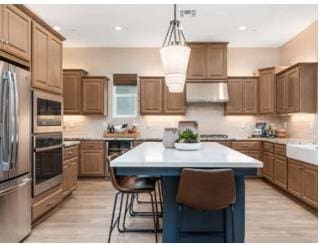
{"x":70,"y":170}
{"x":242,"y":96}
{"x":297,"y":89}
{"x":310,"y":185}
{"x":46,"y":60}
{"x":303,"y":181}
{"x":268,"y":161}
{"x":174,"y":103}
{"x":46,"y":201}
{"x":55,"y":82}
{"x":155,"y":98}
{"x":295,"y":178}
{"x":280,"y":171}
{"x":92,"y":159}
{"x":15,"y":32}
{"x":72,"y":90}
{"x":95,"y":95}
{"x":208,"y":61}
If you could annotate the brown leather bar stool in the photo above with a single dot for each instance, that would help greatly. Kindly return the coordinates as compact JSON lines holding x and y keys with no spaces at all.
{"x":207,"y":190}
{"x":127,"y":186}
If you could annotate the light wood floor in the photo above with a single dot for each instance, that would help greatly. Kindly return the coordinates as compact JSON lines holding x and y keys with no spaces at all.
{"x":270,"y":217}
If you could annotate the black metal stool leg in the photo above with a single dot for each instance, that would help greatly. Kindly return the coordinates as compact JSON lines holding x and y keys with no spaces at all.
{"x":120,"y":211}
{"x":112,"y":226}
{"x":154,"y":218}
{"x":179,"y":222}
{"x":233,"y":226}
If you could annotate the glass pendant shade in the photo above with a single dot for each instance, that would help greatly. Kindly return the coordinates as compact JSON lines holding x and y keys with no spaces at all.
{"x":175,"y":60}
{"x":175,"y":57}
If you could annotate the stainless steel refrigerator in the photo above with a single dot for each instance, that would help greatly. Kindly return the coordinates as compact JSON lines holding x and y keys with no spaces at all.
{"x":15,"y":153}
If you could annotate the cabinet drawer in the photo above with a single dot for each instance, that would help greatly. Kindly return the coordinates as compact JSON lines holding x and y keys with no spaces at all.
{"x":280,"y":150}
{"x":92,"y":144}
{"x":47,"y":203}
{"x":268,"y":147}
{"x":246,"y":145}
{"x":70,"y":152}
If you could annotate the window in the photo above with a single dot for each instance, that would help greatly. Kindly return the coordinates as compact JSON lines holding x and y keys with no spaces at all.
{"x":124,"y":101}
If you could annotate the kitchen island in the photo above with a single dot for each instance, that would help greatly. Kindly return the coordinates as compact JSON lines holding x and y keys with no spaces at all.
{"x":152,"y":159}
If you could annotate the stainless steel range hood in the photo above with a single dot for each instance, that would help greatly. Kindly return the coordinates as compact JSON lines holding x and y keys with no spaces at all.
{"x":209,"y":92}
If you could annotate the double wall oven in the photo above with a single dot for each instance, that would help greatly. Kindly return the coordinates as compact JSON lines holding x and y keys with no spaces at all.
{"x":47,"y":141}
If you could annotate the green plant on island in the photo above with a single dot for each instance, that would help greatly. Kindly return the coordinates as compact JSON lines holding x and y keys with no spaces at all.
{"x":188,"y":136}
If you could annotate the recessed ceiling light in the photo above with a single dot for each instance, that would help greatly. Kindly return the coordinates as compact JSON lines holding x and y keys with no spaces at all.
{"x":118,"y":28}
{"x":56,"y":28}
{"x":242,"y":28}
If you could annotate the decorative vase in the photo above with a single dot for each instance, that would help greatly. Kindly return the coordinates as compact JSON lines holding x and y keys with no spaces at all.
{"x":169,"y":137}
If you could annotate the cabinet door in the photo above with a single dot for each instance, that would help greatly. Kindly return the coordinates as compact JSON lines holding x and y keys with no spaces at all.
{"x":281,"y":94}
{"x":55,"y":65}
{"x":174,"y":103}
{"x":40,"y":59}
{"x":1,"y":24}
{"x":65,"y":183}
{"x":92,"y":163}
{"x":235,"y":103}
{"x":267,"y":92}
{"x":93,"y":96}
{"x":17,"y":32}
{"x":280,"y":172}
{"x":151,"y":95}
{"x":72,"y":92}
{"x":254,"y":154}
{"x":293,"y":97}
{"x":268,"y":166}
{"x":310,"y":185}
{"x":73,"y":174}
{"x":197,"y":68}
{"x":295,"y":178}
{"x":217,"y":61}
{"x":250,"y":90}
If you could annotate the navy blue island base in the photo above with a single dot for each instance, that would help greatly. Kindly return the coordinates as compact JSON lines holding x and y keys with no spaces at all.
{"x":199,"y":221}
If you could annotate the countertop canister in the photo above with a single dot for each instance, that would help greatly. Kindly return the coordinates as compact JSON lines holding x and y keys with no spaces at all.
{"x":170,"y":135}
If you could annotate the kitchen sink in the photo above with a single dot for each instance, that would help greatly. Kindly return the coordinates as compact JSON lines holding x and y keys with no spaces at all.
{"x":303,"y":152}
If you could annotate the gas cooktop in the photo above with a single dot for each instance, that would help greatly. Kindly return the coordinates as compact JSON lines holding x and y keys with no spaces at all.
{"x":219,"y":136}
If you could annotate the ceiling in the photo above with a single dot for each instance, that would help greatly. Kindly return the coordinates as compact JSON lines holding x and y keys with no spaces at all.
{"x":146,"y":25}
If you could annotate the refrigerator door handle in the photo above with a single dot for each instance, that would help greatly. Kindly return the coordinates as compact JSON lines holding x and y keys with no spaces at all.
{"x":13,"y":188}
{"x":11,"y":115}
{"x":15,"y":101}
{"x":5,"y":122}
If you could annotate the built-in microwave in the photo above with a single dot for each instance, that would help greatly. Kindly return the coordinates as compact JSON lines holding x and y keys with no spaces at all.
{"x":47,"y":113}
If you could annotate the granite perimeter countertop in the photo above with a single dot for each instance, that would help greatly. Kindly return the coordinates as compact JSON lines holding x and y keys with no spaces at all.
{"x":271,"y":140}
{"x":69,"y":143}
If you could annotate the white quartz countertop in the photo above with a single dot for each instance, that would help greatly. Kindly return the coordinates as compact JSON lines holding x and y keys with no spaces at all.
{"x":71,"y":143}
{"x":211,"y":155}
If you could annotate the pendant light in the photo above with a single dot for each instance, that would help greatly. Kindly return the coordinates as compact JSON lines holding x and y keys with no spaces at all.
{"x":175,"y":56}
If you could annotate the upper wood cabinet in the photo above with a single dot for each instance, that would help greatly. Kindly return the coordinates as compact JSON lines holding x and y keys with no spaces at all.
{"x":95,"y":95}
{"x":151,"y":95}
{"x":155,"y":98}
{"x":46,"y":60}
{"x":297,"y":89}
{"x":267,"y":89}
{"x":242,"y":96}
{"x":15,"y":30}
{"x":72,"y":90}
{"x":55,"y":65}
{"x":208,"y":61}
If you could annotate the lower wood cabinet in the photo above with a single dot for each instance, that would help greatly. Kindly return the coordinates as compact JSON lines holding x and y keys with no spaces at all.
{"x":92,"y":159}
{"x":295,"y":178}
{"x":280,"y":171}
{"x":70,"y":170}
{"x":46,"y":201}
{"x":268,"y":164}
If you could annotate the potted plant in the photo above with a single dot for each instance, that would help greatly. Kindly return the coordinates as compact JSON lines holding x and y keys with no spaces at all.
{"x":188,"y":141}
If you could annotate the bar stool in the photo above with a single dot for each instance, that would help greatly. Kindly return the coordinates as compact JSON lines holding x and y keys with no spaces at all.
{"x":207,"y":190}
{"x":130,"y":185}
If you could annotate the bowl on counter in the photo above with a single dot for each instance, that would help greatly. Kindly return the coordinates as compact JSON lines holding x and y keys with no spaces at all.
{"x":187,"y":146}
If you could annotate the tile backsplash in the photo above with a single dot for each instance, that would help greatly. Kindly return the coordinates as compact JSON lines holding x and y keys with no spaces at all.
{"x":210,"y":117}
